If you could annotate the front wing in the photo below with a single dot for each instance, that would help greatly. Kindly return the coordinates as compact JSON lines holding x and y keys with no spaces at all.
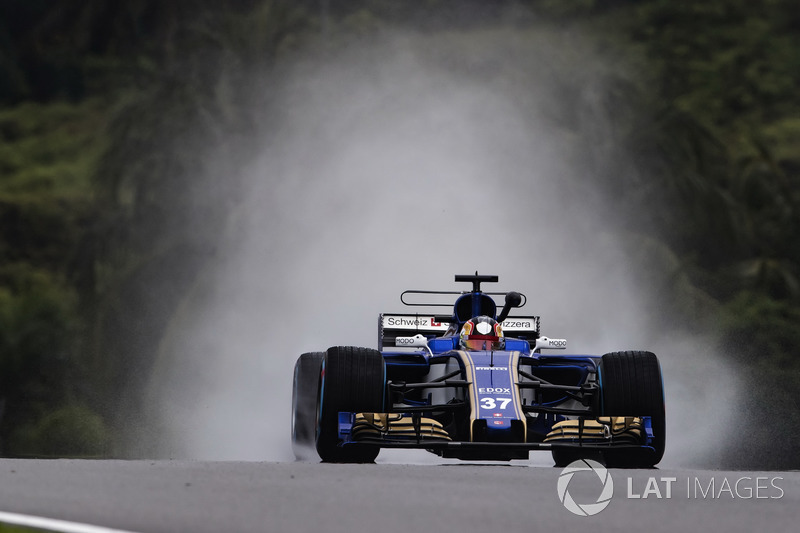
{"x":413,"y":431}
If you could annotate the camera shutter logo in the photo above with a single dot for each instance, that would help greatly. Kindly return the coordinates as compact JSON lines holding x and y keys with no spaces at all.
{"x":587,"y":509}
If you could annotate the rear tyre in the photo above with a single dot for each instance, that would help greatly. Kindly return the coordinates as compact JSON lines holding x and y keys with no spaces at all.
{"x":304,"y":405}
{"x":631,"y":385}
{"x":353,"y":380}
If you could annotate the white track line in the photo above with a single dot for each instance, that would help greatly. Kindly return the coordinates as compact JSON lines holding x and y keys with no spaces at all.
{"x":62,"y":526}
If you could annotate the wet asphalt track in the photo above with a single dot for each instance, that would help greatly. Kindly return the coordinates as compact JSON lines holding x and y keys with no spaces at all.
{"x":197,"y":497}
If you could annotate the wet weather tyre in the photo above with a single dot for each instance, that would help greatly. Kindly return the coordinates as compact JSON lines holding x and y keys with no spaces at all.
{"x":631,"y":385}
{"x":353,"y":380}
{"x":305,"y":391}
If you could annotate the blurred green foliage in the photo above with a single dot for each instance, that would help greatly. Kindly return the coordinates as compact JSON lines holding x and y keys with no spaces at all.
{"x":49,"y":148}
{"x":69,"y":431}
{"x":109,"y":108}
{"x":46,"y":203}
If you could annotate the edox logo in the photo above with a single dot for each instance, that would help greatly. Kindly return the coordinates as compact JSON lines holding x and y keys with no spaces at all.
{"x":585,"y":509}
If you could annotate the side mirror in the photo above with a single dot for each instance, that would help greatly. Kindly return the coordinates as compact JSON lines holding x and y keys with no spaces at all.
{"x":552,"y":344}
{"x":513,"y":299}
{"x":417,"y":341}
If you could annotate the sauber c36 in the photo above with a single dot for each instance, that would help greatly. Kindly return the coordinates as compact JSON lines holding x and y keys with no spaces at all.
{"x":425,"y":388}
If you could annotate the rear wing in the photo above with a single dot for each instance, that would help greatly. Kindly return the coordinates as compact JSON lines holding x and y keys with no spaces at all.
{"x":392,"y":326}
{"x":522,"y":327}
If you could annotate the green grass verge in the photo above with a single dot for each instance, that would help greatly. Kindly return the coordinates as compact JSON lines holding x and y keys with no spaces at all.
{"x":8,"y":528}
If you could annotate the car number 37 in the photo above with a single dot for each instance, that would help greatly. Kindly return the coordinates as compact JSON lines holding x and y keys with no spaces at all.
{"x":495,"y":403}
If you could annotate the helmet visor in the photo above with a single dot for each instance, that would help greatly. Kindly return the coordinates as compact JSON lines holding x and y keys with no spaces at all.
{"x":482,"y":342}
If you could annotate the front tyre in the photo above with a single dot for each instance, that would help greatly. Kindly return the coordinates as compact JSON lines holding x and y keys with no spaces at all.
{"x":631,"y":385}
{"x":305,"y":391}
{"x":353,"y":380}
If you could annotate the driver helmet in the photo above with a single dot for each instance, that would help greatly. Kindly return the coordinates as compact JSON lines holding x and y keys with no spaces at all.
{"x":481,"y":333}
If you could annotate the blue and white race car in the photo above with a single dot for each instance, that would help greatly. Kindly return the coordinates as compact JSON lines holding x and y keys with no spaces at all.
{"x":475,"y":385}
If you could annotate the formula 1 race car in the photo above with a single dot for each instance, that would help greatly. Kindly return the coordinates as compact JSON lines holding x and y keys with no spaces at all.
{"x":474,"y":385}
